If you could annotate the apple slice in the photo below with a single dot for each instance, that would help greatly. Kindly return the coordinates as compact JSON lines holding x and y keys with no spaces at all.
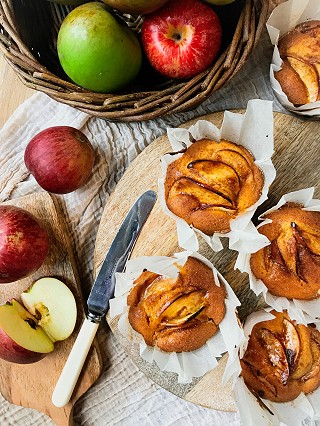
{"x":291,"y":343}
{"x":308,"y":75}
{"x":21,"y":340}
{"x":54,"y":306}
{"x":304,"y":361}
{"x":184,"y":308}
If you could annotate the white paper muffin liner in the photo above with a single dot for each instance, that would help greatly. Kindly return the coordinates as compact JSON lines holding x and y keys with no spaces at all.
{"x":186,"y":364}
{"x":302,"y":311}
{"x":253,"y":130}
{"x":282,"y":20}
{"x":293,"y":413}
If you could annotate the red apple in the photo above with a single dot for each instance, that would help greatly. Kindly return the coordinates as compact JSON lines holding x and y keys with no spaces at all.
{"x":49,"y":314}
{"x":22,"y":341}
{"x":182,"y":38}
{"x":24,"y":243}
{"x":60,"y":159}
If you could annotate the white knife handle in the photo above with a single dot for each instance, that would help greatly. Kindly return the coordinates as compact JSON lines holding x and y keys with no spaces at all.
{"x":72,"y":369}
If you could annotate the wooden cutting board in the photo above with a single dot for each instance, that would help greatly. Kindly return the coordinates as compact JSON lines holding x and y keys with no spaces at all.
{"x":32,"y":385}
{"x":297,"y":160}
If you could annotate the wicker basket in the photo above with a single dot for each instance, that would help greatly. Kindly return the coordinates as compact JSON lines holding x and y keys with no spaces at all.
{"x":28,"y":41}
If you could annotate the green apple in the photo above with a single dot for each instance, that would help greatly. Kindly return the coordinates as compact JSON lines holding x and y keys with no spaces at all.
{"x":53,"y":304}
{"x":97,"y":51}
{"x":219,"y":2}
{"x":70,"y":2}
{"x":136,"y":7}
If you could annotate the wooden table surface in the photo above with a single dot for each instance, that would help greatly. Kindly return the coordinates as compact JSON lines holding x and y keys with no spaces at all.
{"x":12,"y":91}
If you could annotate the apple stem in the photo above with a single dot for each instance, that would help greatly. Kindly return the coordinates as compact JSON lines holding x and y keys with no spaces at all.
{"x":176,"y":36}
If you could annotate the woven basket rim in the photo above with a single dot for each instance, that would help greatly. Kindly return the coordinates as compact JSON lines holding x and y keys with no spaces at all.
{"x":177,"y":97}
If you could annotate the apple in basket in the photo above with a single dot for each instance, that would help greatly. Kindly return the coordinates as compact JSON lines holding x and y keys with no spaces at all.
{"x":219,"y":2}
{"x":24,"y":243}
{"x":182,"y":38}
{"x":70,"y":2}
{"x":28,"y":333}
{"x":60,"y":158}
{"x":135,"y":7}
{"x":98,"y":51}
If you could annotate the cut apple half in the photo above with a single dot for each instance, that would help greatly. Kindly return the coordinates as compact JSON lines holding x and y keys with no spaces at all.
{"x":53,"y":305}
{"x":21,"y":339}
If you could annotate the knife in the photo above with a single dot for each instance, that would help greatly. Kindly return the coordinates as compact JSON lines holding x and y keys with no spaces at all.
{"x":102,"y":291}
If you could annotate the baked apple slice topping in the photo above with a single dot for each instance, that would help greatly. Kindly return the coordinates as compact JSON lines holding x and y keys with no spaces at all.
{"x":211,"y":183}
{"x":315,"y":366}
{"x":291,"y":343}
{"x":178,"y":314}
{"x":276,"y":354}
{"x":308,"y":76}
{"x":218,"y":177}
{"x":184,"y":308}
{"x":282,"y":359}
{"x":290,"y":265}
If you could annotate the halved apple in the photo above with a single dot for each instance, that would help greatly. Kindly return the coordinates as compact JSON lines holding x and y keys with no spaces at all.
{"x":21,"y":340}
{"x":54,"y":306}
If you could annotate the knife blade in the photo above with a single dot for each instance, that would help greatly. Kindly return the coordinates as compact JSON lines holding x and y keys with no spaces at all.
{"x":102,"y":291}
{"x":117,"y":256}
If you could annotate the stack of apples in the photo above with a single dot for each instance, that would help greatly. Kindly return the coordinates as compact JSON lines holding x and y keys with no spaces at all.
{"x":99,"y":52}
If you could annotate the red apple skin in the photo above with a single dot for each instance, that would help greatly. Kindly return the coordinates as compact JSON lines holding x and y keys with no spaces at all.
{"x":12,"y":352}
{"x":60,"y":158}
{"x":24,"y":243}
{"x":182,"y":38}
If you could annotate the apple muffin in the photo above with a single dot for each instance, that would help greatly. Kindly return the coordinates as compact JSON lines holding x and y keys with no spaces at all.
{"x":299,"y":76}
{"x":282,"y":359}
{"x":177,"y":314}
{"x":290,"y":265}
{"x":212,"y":183}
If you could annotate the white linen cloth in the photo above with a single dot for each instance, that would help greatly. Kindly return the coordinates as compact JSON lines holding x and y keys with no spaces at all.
{"x":122,"y":395}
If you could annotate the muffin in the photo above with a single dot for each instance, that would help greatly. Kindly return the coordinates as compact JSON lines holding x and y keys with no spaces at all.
{"x":290,"y":266}
{"x":212,"y":183}
{"x":299,"y":76}
{"x":282,"y":359}
{"x":177,"y":314}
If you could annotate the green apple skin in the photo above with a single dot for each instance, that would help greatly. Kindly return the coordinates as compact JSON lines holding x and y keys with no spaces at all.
{"x":70,"y":2}
{"x":219,"y":2}
{"x":135,"y":7}
{"x":96,"y":51}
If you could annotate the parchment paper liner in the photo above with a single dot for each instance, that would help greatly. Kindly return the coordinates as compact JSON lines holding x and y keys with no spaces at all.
{"x":282,"y":20}
{"x":291,"y":413}
{"x":253,"y":130}
{"x":186,"y":364}
{"x":302,"y":311}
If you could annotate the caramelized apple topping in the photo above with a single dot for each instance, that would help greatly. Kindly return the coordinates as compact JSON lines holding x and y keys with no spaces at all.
{"x":212,"y":183}
{"x":276,"y":354}
{"x":178,"y":314}
{"x":290,"y":266}
{"x":291,"y":343}
{"x":184,"y":308}
{"x":282,"y":359}
{"x":299,"y":74}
